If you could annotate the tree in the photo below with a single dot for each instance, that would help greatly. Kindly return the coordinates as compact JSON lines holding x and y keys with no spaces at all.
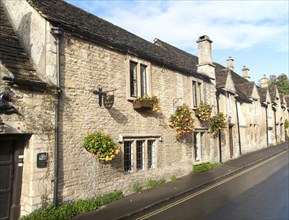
{"x":281,"y":81}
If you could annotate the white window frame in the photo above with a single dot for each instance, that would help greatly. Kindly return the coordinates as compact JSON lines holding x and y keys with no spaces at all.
{"x":199,"y":138}
{"x":197,"y":92}
{"x":144,"y":154}
{"x":146,"y":81}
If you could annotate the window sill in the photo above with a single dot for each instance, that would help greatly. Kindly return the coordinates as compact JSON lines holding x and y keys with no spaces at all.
{"x":140,"y":135}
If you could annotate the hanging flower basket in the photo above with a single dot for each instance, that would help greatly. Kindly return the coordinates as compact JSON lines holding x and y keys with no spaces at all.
{"x":203,"y":112}
{"x":218,"y":124}
{"x":182,"y":121}
{"x":100,"y":145}
{"x":147,"y":102}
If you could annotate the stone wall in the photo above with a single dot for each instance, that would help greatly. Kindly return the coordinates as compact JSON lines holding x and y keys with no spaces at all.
{"x":36,"y":118}
{"x":85,"y":67}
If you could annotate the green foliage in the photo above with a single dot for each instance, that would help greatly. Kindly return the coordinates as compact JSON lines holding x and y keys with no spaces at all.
{"x":101,"y":145}
{"x":154,"y":183}
{"x":182,"y":120}
{"x":137,"y":188}
{"x":154,"y":101}
{"x":282,"y":83}
{"x":69,"y":209}
{"x":204,"y":167}
{"x":174,"y":178}
{"x":218,"y":123}
{"x":286,"y":124}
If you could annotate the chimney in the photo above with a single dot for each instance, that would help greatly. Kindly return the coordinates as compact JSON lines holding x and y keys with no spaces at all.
{"x":230,"y":63}
{"x":264,"y":82}
{"x":246,"y":73}
{"x":205,"y":64}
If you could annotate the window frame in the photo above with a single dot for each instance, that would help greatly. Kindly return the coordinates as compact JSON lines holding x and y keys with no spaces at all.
{"x":199,"y":143}
{"x":140,"y":158}
{"x":197,"y":93}
{"x":142,"y":79}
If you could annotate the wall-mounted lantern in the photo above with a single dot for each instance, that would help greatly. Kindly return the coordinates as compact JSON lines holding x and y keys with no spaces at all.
{"x":5,"y":106}
{"x":104,"y":98}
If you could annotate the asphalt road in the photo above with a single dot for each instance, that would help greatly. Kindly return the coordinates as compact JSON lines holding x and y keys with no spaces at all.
{"x":259,"y":192}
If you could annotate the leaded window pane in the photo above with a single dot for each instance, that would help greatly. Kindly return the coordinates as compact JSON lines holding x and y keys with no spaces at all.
{"x":128,"y":156}
{"x":140,"y":155}
{"x":143,"y":78}
{"x":133,"y":79}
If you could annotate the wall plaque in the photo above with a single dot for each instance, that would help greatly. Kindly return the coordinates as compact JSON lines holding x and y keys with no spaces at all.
{"x":42,"y":160}
{"x":108,"y":101}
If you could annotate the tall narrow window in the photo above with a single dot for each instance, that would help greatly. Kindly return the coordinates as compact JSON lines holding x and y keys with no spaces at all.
{"x":140,"y":155}
{"x":199,"y":99}
{"x":151,"y":154}
{"x":229,"y":103}
{"x":139,"y":78}
{"x":143,"y":80}
{"x":133,"y":79}
{"x":196,"y":146}
{"x":128,"y":156}
{"x":195,"y":94}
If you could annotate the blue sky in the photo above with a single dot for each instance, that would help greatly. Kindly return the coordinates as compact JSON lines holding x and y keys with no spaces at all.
{"x":253,"y":33}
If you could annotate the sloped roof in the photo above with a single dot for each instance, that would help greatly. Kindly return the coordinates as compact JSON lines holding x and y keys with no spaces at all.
{"x":262,"y":93}
{"x":221,"y":78}
{"x":272,"y":91}
{"x":13,"y":57}
{"x":90,"y":27}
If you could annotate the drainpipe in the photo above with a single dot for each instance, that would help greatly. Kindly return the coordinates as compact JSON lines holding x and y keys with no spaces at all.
{"x":220,"y":141}
{"x":275,"y":126}
{"x":238,"y":123}
{"x":267,"y":135}
{"x":57,"y":32}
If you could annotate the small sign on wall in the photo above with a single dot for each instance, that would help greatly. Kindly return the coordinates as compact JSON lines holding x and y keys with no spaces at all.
{"x":42,"y":159}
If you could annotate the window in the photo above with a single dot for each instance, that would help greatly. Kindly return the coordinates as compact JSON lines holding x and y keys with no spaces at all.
{"x":128,"y":156}
{"x":145,"y":155}
{"x":151,"y":154}
{"x":196,"y":87}
{"x":229,"y":101}
{"x":138,"y":79}
{"x":139,"y":155}
{"x":199,"y":142}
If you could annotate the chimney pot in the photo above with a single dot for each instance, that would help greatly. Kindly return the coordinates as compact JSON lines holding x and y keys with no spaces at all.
{"x":246,"y":73}
{"x":230,"y":63}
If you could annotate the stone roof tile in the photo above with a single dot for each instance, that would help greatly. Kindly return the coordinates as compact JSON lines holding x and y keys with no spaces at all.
{"x":12,"y":55}
{"x":83,"y":24}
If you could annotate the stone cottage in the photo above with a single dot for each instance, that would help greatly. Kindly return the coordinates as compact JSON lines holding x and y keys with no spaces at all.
{"x":79,"y":61}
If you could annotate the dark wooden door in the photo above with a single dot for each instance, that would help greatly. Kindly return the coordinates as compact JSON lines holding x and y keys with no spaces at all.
{"x":231,"y":141}
{"x":6,"y":177}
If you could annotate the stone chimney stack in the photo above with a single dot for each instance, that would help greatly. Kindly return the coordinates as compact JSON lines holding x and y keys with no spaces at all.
{"x":230,"y":63}
{"x":264,"y":82}
{"x":205,"y":64}
{"x":246,"y":73}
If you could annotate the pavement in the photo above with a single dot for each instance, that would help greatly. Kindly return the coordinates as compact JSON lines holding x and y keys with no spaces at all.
{"x":138,"y":202}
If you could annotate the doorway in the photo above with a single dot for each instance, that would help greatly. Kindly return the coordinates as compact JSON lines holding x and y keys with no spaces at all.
{"x":11,"y":156}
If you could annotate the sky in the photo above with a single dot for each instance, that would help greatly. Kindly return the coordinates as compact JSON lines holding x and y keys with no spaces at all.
{"x":253,"y":32}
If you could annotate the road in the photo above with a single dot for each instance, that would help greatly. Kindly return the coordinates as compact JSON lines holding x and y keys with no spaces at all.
{"x":259,"y":192}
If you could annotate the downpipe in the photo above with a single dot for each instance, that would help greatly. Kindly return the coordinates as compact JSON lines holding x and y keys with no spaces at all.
{"x":57,"y":33}
{"x":238,"y":123}
{"x":219,"y":135}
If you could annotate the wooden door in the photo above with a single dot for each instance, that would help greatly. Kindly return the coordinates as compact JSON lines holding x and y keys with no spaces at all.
{"x":6,"y":178}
